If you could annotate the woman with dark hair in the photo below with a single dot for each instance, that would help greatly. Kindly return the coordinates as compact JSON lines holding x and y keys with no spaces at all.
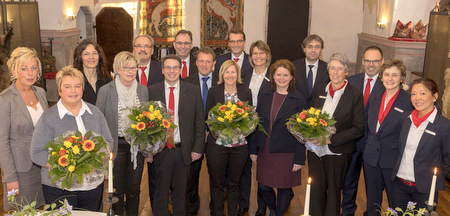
{"x":90,"y":59}
{"x":385,"y":115}
{"x":424,"y":144}
{"x":279,"y":156}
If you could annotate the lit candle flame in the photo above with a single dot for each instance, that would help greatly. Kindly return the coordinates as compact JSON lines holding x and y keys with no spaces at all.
{"x":309,"y":180}
{"x":435,"y":170}
{"x":111,"y":156}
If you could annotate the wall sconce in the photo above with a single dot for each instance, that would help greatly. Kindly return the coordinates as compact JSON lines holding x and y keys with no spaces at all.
{"x":382,"y":24}
{"x":72,"y":17}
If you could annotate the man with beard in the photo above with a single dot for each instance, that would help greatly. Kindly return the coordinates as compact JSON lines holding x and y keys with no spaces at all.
{"x":149,"y":70}
{"x":370,"y":85}
{"x":183,"y":46}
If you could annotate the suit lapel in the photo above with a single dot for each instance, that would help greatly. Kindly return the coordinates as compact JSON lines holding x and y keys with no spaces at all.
{"x":373,"y":115}
{"x":21,"y":104}
{"x":343,"y":101}
{"x":404,"y":134}
{"x":114,"y":100}
{"x":430,"y":127}
{"x":184,"y":93}
{"x":302,"y":74}
{"x":392,"y":111}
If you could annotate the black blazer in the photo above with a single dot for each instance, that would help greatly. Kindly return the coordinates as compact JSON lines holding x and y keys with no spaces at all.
{"x":194,"y":79}
{"x":433,"y":151}
{"x":281,"y":140}
{"x":227,"y":56}
{"x":190,"y":115}
{"x":154,"y":74}
{"x":216,"y":95}
{"x":248,"y":77}
{"x":349,"y":115}
{"x":382,"y":147}
{"x":357,"y":81}
{"x":301,"y":83}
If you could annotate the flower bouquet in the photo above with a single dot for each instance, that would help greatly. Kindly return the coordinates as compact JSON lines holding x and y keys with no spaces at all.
{"x":230,"y":123}
{"x":148,"y":129}
{"x":25,"y":208}
{"x":72,"y":155}
{"x":410,"y":210}
{"x":312,"y":124}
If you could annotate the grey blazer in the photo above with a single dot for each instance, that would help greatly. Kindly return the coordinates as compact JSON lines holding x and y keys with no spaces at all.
{"x":16,"y":131}
{"x":107,"y":103}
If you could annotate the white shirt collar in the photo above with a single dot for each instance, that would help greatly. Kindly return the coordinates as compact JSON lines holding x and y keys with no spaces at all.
{"x":167,"y":86}
{"x":62,"y":111}
{"x":431,"y":118}
{"x":316,"y":64}
{"x":239,"y":57}
{"x":375,"y":77}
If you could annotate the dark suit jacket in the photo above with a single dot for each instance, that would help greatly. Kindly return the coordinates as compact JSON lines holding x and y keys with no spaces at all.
{"x":194,"y":79}
{"x":301,"y":84}
{"x":281,"y":140}
{"x":433,"y":151}
{"x":227,"y":56}
{"x":349,"y":115}
{"x":192,"y":66}
{"x":382,"y":147}
{"x":154,"y":74}
{"x":248,"y":77}
{"x":216,"y":95}
{"x":190,"y":115}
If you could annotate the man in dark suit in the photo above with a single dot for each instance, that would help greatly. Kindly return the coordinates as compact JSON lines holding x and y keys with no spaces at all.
{"x":311,"y":71}
{"x":236,"y":43}
{"x":149,"y":71}
{"x":183,"y":46}
{"x":204,"y":79}
{"x":184,"y":144}
{"x":369,"y":84}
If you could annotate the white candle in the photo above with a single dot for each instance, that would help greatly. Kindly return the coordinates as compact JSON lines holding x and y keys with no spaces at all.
{"x":307,"y":197}
{"x":432,"y":189}
{"x":110,"y":173}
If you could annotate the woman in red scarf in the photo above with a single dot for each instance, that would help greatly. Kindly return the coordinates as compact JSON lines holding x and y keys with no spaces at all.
{"x":384,"y":122}
{"x":424,"y":144}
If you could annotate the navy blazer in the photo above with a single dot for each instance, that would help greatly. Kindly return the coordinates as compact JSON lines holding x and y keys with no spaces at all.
{"x":194,"y":79}
{"x":248,"y":77}
{"x":281,"y":140}
{"x":227,"y":56}
{"x":301,"y":84}
{"x":190,"y":116}
{"x":154,"y":73}
{"x":349,"y":114}
{"x":357,"y":81}
{"x":382,"y":147}
{"x":433,"y":151}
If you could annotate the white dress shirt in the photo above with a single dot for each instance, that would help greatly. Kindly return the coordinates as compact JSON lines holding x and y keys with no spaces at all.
{"x":241,"y":59}
{"x":372,"y":82}
{"x":84,"y":108}
{"x":208,"y":82}
{"x":187,"y":60}
{"x":176,"y":94}
{"x":146,"y":71}
{"x":255,"y":84}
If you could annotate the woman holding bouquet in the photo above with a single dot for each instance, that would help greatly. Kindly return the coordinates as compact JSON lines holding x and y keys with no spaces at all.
{"x":22,"y":104}
{"x":424,"y":145}
{"x":345,"y":103}
{"x":71,"y":113}
{"x":113,"y":99}
{"x":279,"y":156}
{"x":384,"y":122}
{"x":218,"y":154}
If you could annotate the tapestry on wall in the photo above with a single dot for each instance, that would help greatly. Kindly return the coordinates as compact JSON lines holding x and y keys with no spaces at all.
{"x":161,"y":19}
{"x":218,"y":17}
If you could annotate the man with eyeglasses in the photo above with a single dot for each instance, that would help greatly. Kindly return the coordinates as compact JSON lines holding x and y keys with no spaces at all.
{"x":149,"y":71}
{"x":183,"y":46}
{"x":184,"y":144}
{"x":236,"y":43}
{"x":311,"y":71}
{"x":369,"y":83}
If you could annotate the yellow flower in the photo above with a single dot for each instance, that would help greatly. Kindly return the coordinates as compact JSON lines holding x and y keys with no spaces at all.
{"x":229,"y":104}
{"x":151,"y":117}
{"x":220,"y":119}
{"x":317,"y":112}
{"x":233,"y":107}
{"x":133,"y":126}
{"x":299,"y":120}
{"x":54,"y":153}
{"x":165,"y":123}
{"x":67,"y":144}
{"x":150,"y":108}
{"x":88,"y":145}
{"x":245,"y":115}
{"x":76,"y":150}
{"x":311,"y":111}
{"x":71,"y":168}
{"x":140,"y":126}
{"x":141,"y":116}
{"x":157,"y":114}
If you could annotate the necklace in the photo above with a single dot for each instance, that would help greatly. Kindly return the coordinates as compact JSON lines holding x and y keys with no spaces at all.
{"x":25,"y":96}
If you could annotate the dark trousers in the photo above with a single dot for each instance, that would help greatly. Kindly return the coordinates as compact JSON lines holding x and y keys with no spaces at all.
{"x":218,"y":157}
{"x":377,"y":180}
{"x":171,"y":173}
{"x":246,"y":186}
{"x":350,"y":189}
{"x":403,"y":193}
{"x":192,"y":199}
{"x":127,"y":180}
{"x":278,"y":203}
{"x":81,"y":200}
{"x":328,"y":174}
{"x":151,"y":181}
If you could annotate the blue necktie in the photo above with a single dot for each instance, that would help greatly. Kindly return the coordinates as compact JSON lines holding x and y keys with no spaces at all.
{"x":310,"y":79}
{"x":204,"y":92}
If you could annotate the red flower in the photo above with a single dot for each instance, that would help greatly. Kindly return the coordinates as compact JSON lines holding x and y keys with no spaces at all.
{"x":239,"y":111}
{"x":247,"y":108}
{"x":146,"y":114}
{"x":323,"y":122}
{"x":70,"y":139}
{"x":62,"y":152}
{"x":223,"y":108}
{"x":302,"y":115}
{"x":88,"y":145}
{"x":165,"y":123}
{"x":240,"y":103}
{"x":63,"y":161}
{"x":140,"y":126}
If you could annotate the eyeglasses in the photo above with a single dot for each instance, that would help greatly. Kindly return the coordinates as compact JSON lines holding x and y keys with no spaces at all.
{"x":169,"y":68}
{"x":140,"y":46}
{"x":183,"y":43}
{"x":236,"y":41}
{"x":129,"y":68}
{"x":372,"y":61}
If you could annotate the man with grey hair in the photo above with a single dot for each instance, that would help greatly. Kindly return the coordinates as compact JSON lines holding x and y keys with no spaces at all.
{"x":149,"y":71}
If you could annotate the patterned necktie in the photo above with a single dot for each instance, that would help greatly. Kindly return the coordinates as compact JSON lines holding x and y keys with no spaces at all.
{"x":184,"y":72}
{"x":367,"y":91}
{"x":143,"y":76}
{"x":204,"y":92}
{"x":171,"y":111}
{"x":310,"y":79}
{"x":236,"y":59}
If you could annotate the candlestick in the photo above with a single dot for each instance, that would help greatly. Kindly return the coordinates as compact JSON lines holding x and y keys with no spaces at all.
{"x":307,"y":198}
{"x":432,"y":189}
{"x":110,"y":174}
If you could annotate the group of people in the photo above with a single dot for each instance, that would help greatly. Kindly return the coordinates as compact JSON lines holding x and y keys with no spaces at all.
{"x":398,"y":137}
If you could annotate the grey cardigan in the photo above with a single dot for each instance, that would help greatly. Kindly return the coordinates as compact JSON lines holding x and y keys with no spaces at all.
{"x":107,"y":102}
{"x":50,"y":126}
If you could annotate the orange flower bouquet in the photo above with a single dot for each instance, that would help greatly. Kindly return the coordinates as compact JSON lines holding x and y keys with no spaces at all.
{"x":148,"y":129}
{"x":72,"y":155}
